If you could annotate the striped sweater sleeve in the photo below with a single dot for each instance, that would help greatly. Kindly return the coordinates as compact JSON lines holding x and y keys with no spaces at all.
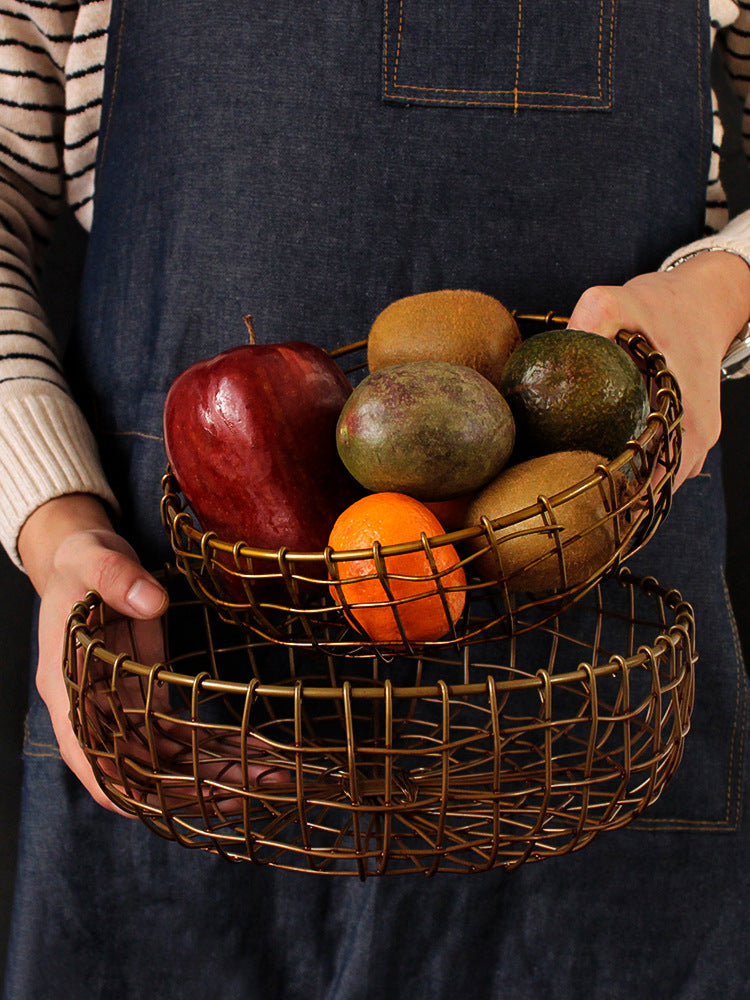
{"x":731,"y":27}
{"x":51,"y":75}
{"x":46,"y":448}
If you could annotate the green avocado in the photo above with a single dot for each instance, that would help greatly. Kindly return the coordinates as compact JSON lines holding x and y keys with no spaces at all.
{"x":574,"y":390}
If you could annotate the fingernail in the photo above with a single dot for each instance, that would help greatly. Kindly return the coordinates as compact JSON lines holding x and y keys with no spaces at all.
{"x":146,"y":598}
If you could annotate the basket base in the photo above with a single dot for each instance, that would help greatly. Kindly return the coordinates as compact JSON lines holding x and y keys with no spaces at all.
{"x":493,"y":756}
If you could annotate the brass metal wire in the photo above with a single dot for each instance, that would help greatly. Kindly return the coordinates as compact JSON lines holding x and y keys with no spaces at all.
{"x":536,"y":723}
{"x":285,"y":597}
{"x":464,"y":759}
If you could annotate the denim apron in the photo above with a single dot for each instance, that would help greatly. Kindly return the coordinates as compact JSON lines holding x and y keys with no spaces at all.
{"x":309,"y":163}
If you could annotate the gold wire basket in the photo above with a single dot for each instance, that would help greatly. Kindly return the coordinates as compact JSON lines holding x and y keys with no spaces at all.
{"x":493,"y":755}
{"x":285,"y":597}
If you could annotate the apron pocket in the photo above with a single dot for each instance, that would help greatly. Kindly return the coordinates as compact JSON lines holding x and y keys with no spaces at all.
{"x":531,"y":54}
{"x":705,"y":793}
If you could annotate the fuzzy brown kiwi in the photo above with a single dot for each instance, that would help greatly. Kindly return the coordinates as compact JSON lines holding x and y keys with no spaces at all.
{"x":529,"y":551}
{"x":462,"y":326}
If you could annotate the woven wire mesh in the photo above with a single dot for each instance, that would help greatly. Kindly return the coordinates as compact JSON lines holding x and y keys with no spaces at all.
{"x":489,"y":755}
{"x":285,"y":596}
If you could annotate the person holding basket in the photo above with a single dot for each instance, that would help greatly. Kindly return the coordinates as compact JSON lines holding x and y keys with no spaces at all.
{"x":318,"y":161}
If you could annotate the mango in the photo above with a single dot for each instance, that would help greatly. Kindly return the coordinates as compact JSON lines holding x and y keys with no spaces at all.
{"x":430,"y":429}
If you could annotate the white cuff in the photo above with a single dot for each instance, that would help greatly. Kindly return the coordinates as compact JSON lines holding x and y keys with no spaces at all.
{"x":733,"y":238}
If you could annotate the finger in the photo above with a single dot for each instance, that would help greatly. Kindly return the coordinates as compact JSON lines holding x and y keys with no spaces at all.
{"x":51,"y":685}
{"x":104,"y":562}
{"x":161,"y":755}
{"x":141,"y":641}
{"x":78,"y":763}
{"x":215,"y":782}
{"x":691,"y":465}
{"x":600,"y":309}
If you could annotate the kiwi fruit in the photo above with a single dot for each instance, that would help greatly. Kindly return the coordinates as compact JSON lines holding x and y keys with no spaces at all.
{"x":461,"y":326}
{"x":529,"y":551}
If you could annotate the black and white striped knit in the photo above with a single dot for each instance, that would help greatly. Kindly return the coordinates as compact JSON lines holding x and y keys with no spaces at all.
{"x":51,"y":78}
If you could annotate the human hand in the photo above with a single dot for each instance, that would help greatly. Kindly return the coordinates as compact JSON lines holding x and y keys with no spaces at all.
{"x":150,"y":738}
{"x":690,"y":314}
{"x":69,"y":547}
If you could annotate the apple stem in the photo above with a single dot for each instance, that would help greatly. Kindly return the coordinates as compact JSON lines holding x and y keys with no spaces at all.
{"x":250,"y":328}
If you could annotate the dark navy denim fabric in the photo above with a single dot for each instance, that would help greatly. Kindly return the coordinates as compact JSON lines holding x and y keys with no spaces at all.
{"x":533,"y":55}
{"x":250,"y":163}
{"x":309,"y":163}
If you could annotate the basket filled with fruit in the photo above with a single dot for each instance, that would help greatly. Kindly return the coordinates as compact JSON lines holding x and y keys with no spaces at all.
{"x":402,"y":635}
{"x":420,"y":489}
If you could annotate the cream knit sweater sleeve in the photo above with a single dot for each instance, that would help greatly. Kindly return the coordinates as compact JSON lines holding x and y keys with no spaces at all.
{"x":51,"y":73}
{"x":52,"y":56}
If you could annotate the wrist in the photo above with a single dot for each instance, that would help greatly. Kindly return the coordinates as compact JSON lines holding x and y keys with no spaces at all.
{"x":48,"y":527}
{"x":724,"y":276}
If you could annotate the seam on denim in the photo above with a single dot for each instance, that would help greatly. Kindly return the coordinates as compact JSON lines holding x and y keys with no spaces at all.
{"x":391,"y":81}
{"x":699,"y":88}
{"x":523,"y":93}
{"x":601,"y":44}
{"x":115,"y":81}
{"x":28,"y":742}
{"x":398,"y":45}
{"x":611,"y":53}
{"x":385,"y":47}
{"x":111,"y":432}
{"x":743,"y":728}
{"x":498,"y":104}
{"x":734,"y":778}
{"x":518,"y":56}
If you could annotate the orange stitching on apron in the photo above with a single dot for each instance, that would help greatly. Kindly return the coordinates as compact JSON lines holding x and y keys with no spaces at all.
{"x":385,"y":46}
{"x":521,"y":93}
{"x":28,"y":742}
{"x":398,"y":45}
{"x":518,"y":57}
{"x":499,"y":104}
{"x":611,"y":51}
{"x":515,"y":93}
{"x":734,"y":777}
{"x":52,"y":756}
{"x":599,"y":53}
{"x":138,"y":434}
{"x":699,"y":88}
{"x":114,"y":82}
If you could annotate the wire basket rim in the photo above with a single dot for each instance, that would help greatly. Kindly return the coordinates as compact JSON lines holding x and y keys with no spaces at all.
{"x":676,"y":632}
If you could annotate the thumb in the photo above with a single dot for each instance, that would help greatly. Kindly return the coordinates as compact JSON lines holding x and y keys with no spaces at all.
{"x":145,"y":598}
{"x":105,"y":562}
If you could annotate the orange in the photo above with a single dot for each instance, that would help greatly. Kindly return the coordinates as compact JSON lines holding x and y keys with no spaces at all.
{"x":451,"y":513}
{"x":392,"y":519}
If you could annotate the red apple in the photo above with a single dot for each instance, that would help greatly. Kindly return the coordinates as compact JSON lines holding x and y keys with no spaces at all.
{"x":250,"y":435}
